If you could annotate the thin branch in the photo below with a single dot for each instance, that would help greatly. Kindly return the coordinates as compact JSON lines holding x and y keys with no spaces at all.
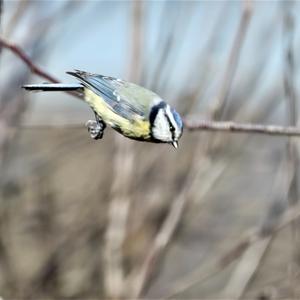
{"x":230,"y":126}
{"x":19,"y":52}
{"x":27,"y":60}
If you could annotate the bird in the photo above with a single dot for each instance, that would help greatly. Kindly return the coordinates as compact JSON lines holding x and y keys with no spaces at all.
{"x":132,"y":110}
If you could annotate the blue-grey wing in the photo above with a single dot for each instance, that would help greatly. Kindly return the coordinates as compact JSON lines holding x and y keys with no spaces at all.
{"x":126,"y":99}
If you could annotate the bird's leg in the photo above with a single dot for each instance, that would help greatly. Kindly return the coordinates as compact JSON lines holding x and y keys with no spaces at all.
{"x":96,"y":127}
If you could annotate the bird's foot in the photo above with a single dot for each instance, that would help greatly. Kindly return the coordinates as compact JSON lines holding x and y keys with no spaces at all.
{"x":95,"y":128}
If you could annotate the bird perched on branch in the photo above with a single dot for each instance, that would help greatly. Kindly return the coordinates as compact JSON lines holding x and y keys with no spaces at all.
{"x":132,"y":110}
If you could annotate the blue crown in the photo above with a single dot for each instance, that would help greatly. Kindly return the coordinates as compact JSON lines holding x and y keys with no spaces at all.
{"x":177,"y":118}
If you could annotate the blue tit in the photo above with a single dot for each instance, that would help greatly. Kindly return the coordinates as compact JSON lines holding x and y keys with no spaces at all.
{"x":132,"y":110}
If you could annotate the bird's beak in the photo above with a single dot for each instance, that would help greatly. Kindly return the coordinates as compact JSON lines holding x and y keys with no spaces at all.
{"x":175,"y":144}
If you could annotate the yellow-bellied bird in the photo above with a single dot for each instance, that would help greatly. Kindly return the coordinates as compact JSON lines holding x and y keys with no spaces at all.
{"x":132,"y":110}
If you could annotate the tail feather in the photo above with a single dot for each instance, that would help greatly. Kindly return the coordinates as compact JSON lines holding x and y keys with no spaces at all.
{"x":53,"y":87}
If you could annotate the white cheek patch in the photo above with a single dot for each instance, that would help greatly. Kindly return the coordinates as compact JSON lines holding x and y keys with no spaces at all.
{"x":161,"y":129}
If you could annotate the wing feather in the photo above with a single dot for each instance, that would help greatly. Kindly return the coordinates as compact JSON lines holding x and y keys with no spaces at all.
{"x":126,"y":99}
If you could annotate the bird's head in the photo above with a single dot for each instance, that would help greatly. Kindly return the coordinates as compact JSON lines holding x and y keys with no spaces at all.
{"x":166,"y":124}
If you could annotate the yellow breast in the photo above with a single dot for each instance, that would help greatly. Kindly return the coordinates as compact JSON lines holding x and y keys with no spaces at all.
{"x":136,"y":128}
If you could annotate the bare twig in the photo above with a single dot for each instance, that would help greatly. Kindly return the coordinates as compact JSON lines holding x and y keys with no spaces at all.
{"x":137,"y":41}
{"x":26,"y":59}
{"x":241,"y":127}
{"x":219,"y":106}
{"x":19,"y":52}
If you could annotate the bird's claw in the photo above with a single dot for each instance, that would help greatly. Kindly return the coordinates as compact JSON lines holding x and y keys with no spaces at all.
{"x":95,"y":129}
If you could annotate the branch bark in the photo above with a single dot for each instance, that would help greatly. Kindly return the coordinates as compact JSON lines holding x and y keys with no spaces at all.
{"x":230,"y":126}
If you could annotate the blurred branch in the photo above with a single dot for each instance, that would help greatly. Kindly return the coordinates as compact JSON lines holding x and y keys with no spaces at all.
{"x":16,"y":17}
{"x":117,"y":220}
{"x":289,"y":70}
{"x":233,"y":59}
{"x":290,"y":93}
{"x":140,"y":277}
{"x":288,"y":217}
{"x":169,"y":68}
{"x":252,"y":258}
{"x":137,"y":41}
{"x":13,"y":105}
{"x":27,"y":60}
{"x":19,"y":52}
{"x":208,"y":270}
{"x":292,"y":113}
{"x":165,"y":42}
{"x":204,"y":62}
{"x":255,"y":236}
{"x":246,"y":269}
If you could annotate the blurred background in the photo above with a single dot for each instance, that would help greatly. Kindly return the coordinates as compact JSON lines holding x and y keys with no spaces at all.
{"x":116,"y":218}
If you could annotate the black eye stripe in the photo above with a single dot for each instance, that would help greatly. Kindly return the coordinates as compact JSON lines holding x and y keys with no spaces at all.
{"x":172,"y":128}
